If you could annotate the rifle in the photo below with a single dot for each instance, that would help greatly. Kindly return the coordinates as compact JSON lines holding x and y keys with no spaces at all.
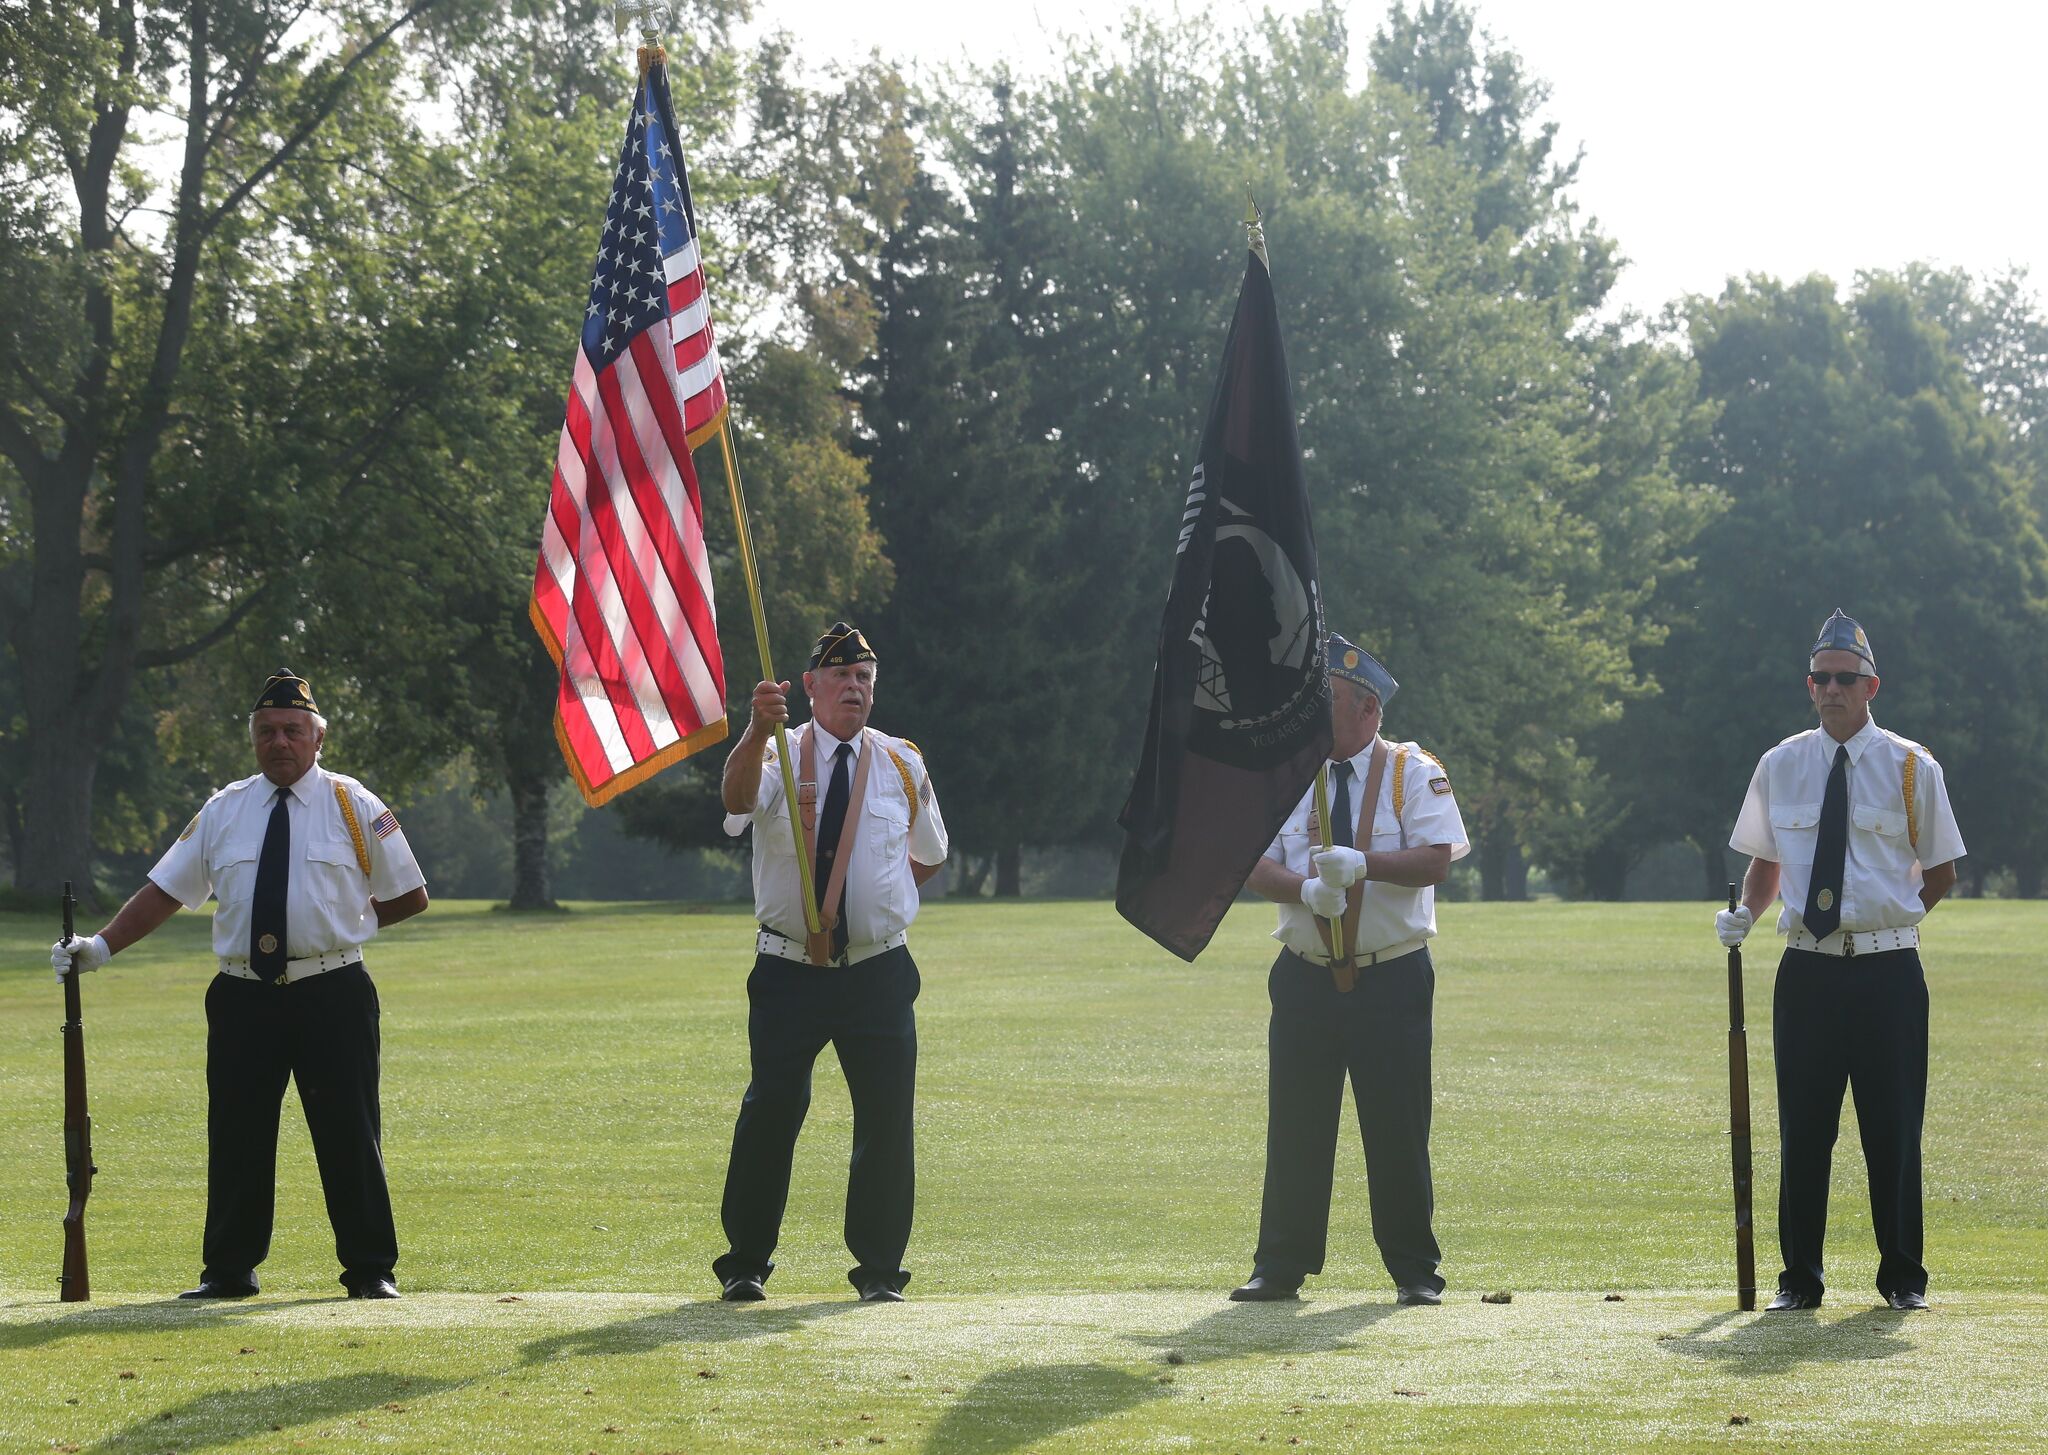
{"x":1738,"y":1129}
{"x":76,"y":1285}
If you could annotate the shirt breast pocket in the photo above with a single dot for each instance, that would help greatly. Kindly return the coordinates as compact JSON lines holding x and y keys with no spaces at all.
{"x":234,"y":871}
{"x":889,"y":822}
{"x":335,"y":875}
{"x":1795,"y":827}
{"x":1888,"y":827}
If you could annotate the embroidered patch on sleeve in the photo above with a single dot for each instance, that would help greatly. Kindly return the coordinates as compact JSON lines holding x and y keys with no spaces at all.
{"x":189,"y":828}
{"x":1439,"y":785}
{"x":384,"y":825}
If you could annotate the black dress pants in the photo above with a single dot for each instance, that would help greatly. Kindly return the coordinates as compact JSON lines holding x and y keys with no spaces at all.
{"x":1379,"y":1032}
{"x":1856,"y":1022}
{"x":864,"y":1013}
{"x":321,"y":1031}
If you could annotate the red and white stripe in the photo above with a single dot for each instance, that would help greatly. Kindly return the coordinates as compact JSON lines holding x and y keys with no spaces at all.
{"x":622,"y":594}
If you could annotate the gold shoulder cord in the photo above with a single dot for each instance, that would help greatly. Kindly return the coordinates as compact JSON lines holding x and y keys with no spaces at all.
{"x":909,"y":783}
{"x":355,"y":828}
{"x":1906,"y":791}
{"x":1400,"y":782}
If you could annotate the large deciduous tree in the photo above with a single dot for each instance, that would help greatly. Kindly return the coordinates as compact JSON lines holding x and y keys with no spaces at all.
{"x":204,"y":365}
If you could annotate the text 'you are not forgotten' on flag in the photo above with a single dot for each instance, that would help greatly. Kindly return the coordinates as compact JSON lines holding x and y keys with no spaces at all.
{"x":1240,"y":717}
{"x":622,"y":593}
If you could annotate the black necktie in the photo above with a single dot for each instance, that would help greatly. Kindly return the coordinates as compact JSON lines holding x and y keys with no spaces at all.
{"x":273,"y":881}
{"x":830,"y":822}
{"x":1342,"y":830}
{"x":1823,"y":914}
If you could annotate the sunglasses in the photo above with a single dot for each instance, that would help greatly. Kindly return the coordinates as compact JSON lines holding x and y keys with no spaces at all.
{"x":1840,"y":679}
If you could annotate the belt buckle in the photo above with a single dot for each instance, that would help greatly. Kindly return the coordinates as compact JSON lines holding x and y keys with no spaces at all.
{"x":1848,"y":944}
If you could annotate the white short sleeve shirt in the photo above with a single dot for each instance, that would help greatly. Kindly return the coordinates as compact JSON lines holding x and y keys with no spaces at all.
{"x":327,"y":902}
{"x":1881,"y":872}
{"x":1389,"y":914}
{"x":900,"y":821}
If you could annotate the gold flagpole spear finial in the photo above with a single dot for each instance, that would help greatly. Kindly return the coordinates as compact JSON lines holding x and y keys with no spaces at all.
{"x":1255,"y":227}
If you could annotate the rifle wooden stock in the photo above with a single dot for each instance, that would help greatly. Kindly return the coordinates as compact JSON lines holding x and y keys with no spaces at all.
{"x":76,"y":1284}
{"x":1738,"y":1128}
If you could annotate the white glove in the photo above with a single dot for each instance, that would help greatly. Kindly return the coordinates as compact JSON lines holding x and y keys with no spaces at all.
{"x":1341,"y":867}
{"x":91,"y":954}
{"x":1324,"y":900}
{"x":1731,"y":925}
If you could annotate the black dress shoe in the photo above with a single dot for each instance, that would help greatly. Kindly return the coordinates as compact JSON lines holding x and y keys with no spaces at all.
{"x":1791,"y":1299}
{"x":1419,"y":1295}
{"x":1906,"y":1301}
{"x":373,"y":1288}
{"x":881,"y":1293}
{"x":1261,"y":1288}
{"x":242,"y":1287}
{"x":743,"y":1290}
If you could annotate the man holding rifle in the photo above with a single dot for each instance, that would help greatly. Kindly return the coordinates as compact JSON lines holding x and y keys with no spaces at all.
{"x":1363,"y":1006}
{"x":1850,"y":825}
{"x":872,"y":827}
{"x":307,"y":866}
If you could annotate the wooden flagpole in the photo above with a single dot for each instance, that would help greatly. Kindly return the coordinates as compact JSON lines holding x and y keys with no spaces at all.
{"x":790,"y":768}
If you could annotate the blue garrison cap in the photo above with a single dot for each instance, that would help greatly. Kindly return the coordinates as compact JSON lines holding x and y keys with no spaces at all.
{"x":1840,"y":633}
{"x":1355,"y":664}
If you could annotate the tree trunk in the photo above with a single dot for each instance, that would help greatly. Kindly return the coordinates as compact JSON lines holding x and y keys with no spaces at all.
{"x":1714,"y":862}
{"x":1493,"y":866}
{"x":57,"y":816}
{"x":1516,"y":883}
{"x":973,"y":874}
{"x":530,"y":843}
{"x":1010,"y":871}
{"x":1606,"y":872}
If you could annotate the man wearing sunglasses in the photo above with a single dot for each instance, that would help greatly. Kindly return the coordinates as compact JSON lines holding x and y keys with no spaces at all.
{"x":1850,"y":825}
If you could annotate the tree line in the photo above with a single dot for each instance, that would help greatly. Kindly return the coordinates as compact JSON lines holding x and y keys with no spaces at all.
{"x":286,"y":387}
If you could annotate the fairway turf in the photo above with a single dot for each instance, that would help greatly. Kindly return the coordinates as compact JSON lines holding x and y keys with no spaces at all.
{"x":559,"y":1094}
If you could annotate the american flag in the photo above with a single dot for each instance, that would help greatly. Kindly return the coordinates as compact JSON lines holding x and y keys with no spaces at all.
{"x":622,"y":594}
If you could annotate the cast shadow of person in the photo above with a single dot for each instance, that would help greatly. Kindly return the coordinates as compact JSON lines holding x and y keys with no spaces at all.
{"x":166,"y":1316}
{"x":707,"y":1322}
{"x":1773,"y":1343}
{"x":1013,"y":1409}
{"x":228,"y":1416}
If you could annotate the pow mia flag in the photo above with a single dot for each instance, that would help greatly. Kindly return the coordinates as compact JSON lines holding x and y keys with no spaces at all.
{"x":1240,"y":717}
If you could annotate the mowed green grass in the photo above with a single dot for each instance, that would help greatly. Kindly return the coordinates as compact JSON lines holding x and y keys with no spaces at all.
{"x":559,"y":1094}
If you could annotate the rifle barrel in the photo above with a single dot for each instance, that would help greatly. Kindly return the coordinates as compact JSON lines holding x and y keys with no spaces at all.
{"x":1738,"y":1129}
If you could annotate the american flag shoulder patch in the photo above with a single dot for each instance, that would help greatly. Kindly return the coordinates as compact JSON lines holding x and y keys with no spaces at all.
{"x":384,"y":825}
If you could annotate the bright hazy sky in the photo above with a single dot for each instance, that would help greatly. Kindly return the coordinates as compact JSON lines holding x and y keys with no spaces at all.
{"x":1786,"y":138}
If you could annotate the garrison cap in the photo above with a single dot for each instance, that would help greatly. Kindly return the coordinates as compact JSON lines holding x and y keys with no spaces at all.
{"x":1355,"y":664}
{"x":841,"y":646}
{"x":1840,"y":633}
{"x":285,"y":688}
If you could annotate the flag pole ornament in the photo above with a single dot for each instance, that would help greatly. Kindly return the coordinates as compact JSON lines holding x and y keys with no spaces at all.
{"x":1255,"y":228}
{"x":1840,"y":633}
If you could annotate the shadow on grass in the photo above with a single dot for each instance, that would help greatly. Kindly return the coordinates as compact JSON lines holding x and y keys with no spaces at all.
{"x":231,"y":1415}
{"x":710,"y":1322}
{"x":1013,"y":1409}
{"x":1773,"y":1343}
{"x":169,"y":1316}
{"x":1238,"y":1329}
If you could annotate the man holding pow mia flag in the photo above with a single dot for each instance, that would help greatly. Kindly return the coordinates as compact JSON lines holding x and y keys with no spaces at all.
{"x":307,"y":865}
